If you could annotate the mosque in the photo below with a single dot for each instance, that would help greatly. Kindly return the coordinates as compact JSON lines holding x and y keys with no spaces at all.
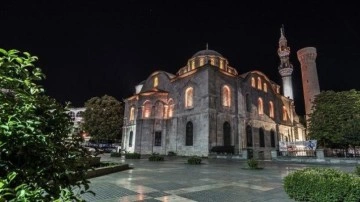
{"x":208,"y":107}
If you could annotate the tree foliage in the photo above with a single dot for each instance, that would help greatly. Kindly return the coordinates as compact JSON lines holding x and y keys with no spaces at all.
{"x":335,"y":121}
{"x":39,"y":157}
{"x":103,"y":117}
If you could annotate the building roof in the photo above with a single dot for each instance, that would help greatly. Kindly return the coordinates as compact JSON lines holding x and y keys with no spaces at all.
{"x":207,"y":52}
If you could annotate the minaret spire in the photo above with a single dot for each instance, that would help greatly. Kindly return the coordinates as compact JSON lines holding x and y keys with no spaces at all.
{"x":285,"y":67}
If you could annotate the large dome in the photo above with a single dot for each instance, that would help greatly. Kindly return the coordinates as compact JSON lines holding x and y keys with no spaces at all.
{"x":207,"y":52}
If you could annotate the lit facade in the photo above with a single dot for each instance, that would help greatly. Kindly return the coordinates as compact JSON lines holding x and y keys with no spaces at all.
{"x":208,"y":104}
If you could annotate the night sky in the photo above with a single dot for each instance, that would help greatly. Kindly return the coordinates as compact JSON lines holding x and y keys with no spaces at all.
{"x":91,"y":48}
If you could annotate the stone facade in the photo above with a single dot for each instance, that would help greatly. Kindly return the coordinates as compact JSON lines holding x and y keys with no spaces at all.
{"x":207,"y":104}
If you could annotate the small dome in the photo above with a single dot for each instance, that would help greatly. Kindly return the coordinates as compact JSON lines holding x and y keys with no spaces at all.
{"x":207,"y":52}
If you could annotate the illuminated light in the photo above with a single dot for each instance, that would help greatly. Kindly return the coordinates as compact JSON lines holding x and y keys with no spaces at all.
{"x":284,"y":114}
{"x":193,"y":64}
{"x":156,"y":81}
{"x":146,"y":109}
{"x":253,"y":82}
{"x":221,"y":64}
{"x":166,"y":111}
{"x":212,"y":61}
{"x":226,"y":95}
{"x":260,"y":106}
{"x":271,"y":109}
{"x":132,"y":114}
{"x":265,"y":87}
{"x":189,"y":97}
{"x":259,"y":83}
{"x":202,"y":61}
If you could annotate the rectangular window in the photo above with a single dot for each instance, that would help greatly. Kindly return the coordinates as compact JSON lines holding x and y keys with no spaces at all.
{"x":158,"y":138}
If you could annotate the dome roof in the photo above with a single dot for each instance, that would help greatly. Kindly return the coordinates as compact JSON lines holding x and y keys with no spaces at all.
{"x":207,"y":52}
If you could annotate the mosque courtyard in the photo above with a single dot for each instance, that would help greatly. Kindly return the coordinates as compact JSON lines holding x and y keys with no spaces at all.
{"x":214,"y":180}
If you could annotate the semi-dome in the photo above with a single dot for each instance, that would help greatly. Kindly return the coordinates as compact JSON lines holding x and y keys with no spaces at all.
{"x":207,"y":52}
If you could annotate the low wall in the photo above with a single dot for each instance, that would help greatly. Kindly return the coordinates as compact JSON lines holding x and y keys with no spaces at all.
{"x":325,"y":160}
{"x":106,"y":170}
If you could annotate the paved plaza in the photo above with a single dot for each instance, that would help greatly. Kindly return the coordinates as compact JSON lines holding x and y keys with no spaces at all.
{"x":174,"y":180}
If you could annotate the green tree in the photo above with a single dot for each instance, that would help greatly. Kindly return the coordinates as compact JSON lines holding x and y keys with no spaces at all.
{"x":335,"y":121}
{"x":103,"y":118}
{"x":39,"y":157}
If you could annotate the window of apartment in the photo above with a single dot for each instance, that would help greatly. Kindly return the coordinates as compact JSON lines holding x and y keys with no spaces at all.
{"x":157,"y":138}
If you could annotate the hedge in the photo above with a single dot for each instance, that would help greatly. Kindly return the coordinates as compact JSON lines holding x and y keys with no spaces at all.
{"x":132,"y":155}
{"x":194,"y":160}
{"x":322,"y":185}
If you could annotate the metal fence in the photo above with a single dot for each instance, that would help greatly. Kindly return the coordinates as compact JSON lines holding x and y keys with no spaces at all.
{"x":342,"y":153}
{"x":298,"y":152}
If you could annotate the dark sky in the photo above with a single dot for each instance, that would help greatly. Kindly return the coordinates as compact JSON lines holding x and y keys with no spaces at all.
{"x":91,"y":48}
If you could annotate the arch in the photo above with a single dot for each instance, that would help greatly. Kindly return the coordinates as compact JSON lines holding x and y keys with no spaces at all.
{"x":189,"y":134}
{"x":272,"y":138}
{"x":159,"y":110}
{"x":226,"y":96}
{"x":284,"y":116}
{"x":131,"y":138}
{"x":249,"y":142}
{"x":253,"y":84}
{"x":260,"y":106}
{"x":147,"y":109}
{"x":72,"y":115}
{"x":132,"y":114}
{"x":261,"y":137}
{"x":227,"y":133}
{"x":265,"y":87}
{"x":189,"y":97}
{"x":271,"y":109}
{"x":259,"y":83}
{"x":156,"y":81}
{"x":79,"y":114}
{"x":248,"y":102}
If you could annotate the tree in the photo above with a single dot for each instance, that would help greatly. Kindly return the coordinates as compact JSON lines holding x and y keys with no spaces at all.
{"x":40,"y":158}
{"x":335,"y":121}
{"x":103,"y":117}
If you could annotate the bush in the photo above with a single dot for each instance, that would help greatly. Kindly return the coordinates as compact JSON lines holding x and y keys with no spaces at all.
{"x":194,"y":160}
{"x":115,"y":154}
{"x":171,"y":153}
{"x":132,"y":155}
{"x":322,"y":184}
{"x":252,"y":163}
{"x":357,"y":170}
{"x":156,"y":157}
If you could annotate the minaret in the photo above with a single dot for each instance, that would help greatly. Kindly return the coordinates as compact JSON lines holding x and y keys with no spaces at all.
{"x":285,"y":67}
{"x":307,"y":57}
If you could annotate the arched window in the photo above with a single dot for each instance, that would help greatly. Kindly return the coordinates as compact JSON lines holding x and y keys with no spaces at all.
{"x":131,"y":138}
{"x":272,"y":138}
{"x":159,"y":110}
{"x":249,"y":136}
{"x":193,"y":64}
{"x":146,"y":109}
{"x":253,"y":84}
{"x":227,"y":133}
{"x":260,"y":106}
{"x":202,"y":61}
{"x":80,"y":114}
{"x":189,"y":134}
{"x":72,"y":115}
{"x":132,"y":114}
{"x":284,"y":114}
{"x":265,"y":87}
{"x":248,"y":102}
{"x":261,"y":137}
{"x":156,"y":81}
{"x":271,"y":109}
{"x":212,"y":61}
{"x":171,"y":108}
{"x":221,"y":64}
{"x":189,"y":97}
{"x":226,"y":96}
{"x":259,"y":83}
